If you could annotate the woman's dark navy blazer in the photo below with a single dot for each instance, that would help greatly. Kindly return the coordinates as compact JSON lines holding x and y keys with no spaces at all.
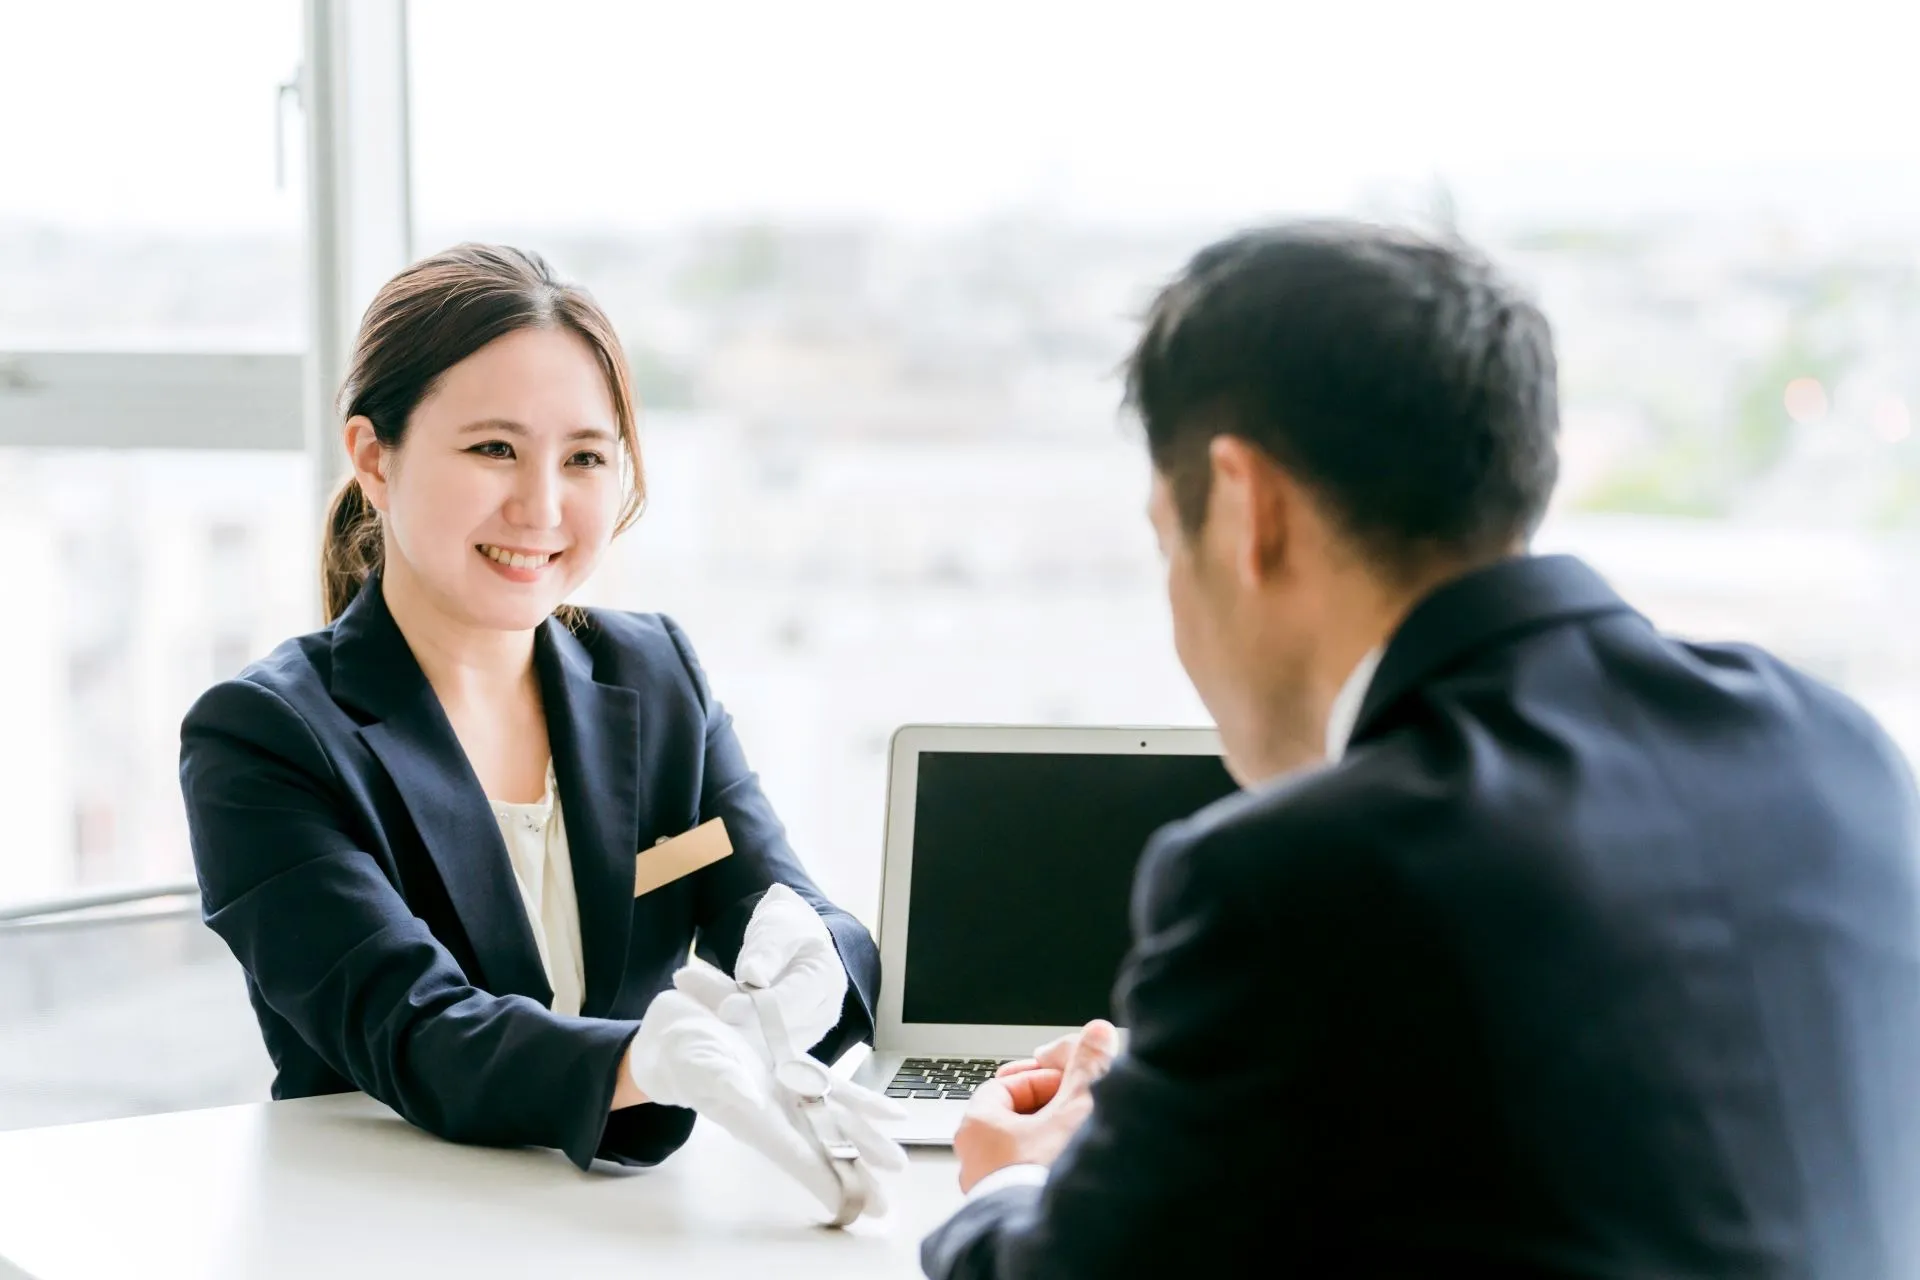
{"x":348,"y":856}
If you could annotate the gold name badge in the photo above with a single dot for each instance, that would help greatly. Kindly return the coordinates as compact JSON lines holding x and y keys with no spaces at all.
{"x":682,"y":855}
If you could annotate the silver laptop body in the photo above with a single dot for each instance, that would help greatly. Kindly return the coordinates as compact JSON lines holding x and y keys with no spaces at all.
{"x":1021,"y":842}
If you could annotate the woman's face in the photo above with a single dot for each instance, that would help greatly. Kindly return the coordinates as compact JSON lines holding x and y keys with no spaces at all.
{"x":506,"y":486}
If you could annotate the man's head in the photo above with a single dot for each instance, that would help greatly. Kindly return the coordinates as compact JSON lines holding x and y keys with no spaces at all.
{"x":1340,"y":416}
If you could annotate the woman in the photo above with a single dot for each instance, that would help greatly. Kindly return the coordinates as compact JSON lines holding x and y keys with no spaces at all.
{"x":428,"y":832}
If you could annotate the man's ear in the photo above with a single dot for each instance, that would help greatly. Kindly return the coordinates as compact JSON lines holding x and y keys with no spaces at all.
{"x":1250,"y":509}
{"x":370,"y":459}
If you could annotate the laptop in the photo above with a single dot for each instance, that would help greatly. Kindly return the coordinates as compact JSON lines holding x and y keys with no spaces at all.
{"x":1009,"y":862}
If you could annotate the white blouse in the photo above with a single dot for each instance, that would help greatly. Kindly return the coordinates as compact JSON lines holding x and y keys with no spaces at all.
{"x":536,"y":840}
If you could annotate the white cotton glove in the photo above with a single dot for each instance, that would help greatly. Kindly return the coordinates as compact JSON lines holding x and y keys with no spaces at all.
{"x":685,"y":1055}
{"x":850,"y":1109}
{"x":787,"y":950}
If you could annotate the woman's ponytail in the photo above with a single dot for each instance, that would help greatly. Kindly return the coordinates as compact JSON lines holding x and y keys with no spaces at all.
{"x":351,"y":552}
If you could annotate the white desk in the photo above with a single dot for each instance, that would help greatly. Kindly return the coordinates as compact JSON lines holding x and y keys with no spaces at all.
{"x":340,"y":1186}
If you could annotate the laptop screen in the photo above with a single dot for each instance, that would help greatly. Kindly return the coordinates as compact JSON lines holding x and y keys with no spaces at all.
{"x":1022,"y":870}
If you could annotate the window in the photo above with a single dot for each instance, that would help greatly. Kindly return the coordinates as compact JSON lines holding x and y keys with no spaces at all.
{"x":154,"y":306}
{"x":876,"y":265}
{"x":155,"y":500}
{"x":142,"y":576}
{"x":141,"y":208}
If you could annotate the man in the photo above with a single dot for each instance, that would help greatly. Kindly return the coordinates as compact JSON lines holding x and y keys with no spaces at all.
{"x":1586,"y":952}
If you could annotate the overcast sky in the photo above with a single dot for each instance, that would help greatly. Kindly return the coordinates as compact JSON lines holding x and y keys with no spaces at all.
{"x":583,"y":113}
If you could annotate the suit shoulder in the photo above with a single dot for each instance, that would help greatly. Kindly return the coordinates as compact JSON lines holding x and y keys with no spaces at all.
{"x":290,"y":677}
{"x":1797,"y":699}
{"x":1318,"y":807}
{"x":261,"y":718}
{"x":1314,"y":831}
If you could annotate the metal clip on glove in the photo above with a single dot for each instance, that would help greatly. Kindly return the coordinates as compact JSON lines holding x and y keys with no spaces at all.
{"x":834,"y":1118}
{"x":806,"y":1085}
{"x":686,"y":1055}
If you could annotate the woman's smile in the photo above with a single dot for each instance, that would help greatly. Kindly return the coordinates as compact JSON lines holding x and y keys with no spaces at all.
{"x":517,"y":565}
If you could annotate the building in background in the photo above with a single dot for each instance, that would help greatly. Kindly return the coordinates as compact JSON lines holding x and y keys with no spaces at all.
{"x":888,"y":483}
{"x":36,"y":754}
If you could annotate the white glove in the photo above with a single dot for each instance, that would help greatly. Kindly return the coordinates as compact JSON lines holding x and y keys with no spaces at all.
{"x":686,"y":1056}
{"x":835,"y":1117}
{"x":787,"y":950}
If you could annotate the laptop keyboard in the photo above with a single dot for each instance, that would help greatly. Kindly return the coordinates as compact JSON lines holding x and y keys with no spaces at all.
{"x":938,"y":1078}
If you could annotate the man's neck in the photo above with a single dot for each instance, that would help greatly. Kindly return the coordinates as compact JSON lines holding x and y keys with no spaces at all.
{"x":1344,"y":715}
{"x":1369,"y":611}
{"x":1346,"y":642}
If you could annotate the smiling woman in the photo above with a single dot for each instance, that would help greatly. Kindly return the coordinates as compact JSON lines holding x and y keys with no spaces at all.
{"x":417,"y":829}
{"x":529,"y":500}
{"x":519,"y":393}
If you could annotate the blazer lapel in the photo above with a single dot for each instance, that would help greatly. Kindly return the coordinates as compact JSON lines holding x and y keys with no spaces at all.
{"x":594,"y":730}
{"x":375,"y":671}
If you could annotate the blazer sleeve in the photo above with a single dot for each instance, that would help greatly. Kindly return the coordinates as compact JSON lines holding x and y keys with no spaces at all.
{"x":1156,"y":1182}
{"x":728,"y":891}
{"x":334,"y":949}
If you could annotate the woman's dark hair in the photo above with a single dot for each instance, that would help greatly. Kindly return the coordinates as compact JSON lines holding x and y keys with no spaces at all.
{"x":424,"y":321}
{"x":1404,"y":380}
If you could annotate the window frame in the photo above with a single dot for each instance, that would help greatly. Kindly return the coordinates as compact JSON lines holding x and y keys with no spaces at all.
{"x":352,"y":92}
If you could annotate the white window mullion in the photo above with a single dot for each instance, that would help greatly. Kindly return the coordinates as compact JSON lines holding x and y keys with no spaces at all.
{"x":354,"y":91}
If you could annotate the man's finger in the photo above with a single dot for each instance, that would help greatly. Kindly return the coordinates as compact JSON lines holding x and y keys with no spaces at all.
{"x":1055,"y":1054}
{"x":1091,"y":1057}
{"x":991,"y":1096}
{"x":1022,"y":1094}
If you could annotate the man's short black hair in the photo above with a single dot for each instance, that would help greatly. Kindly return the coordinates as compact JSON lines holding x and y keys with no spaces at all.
{"x":1402,"y":380}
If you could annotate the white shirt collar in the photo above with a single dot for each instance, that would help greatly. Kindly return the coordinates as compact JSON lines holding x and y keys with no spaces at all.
{"x":1345,"y":711}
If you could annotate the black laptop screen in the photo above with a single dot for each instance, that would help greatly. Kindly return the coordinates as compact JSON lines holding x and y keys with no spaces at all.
{"x":1022,"y":867}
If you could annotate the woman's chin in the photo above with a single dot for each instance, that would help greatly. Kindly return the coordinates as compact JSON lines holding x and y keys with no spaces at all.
{"x":515,"y":611}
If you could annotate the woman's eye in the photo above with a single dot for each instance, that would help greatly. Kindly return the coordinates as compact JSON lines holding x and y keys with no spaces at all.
{"x":588,"y":458}
{"x":493,"y":449}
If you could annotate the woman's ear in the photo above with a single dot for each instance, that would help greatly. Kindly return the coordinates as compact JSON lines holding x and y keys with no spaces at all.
{"x":370,"y":459}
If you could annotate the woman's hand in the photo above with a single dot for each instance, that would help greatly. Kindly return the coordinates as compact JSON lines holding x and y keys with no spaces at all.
{"x":686,"y":1056}
{"x":788,"y":950}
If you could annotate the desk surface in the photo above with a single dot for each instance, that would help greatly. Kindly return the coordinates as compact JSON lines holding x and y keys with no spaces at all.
{"x":341,"y":1186}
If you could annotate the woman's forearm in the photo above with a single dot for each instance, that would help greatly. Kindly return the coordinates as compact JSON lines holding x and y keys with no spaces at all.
{"x":626,"y":1093}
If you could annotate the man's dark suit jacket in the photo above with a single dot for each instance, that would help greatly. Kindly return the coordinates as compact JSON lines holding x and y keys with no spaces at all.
{"x":348,"y":856}
{"x":1598,"y":954}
